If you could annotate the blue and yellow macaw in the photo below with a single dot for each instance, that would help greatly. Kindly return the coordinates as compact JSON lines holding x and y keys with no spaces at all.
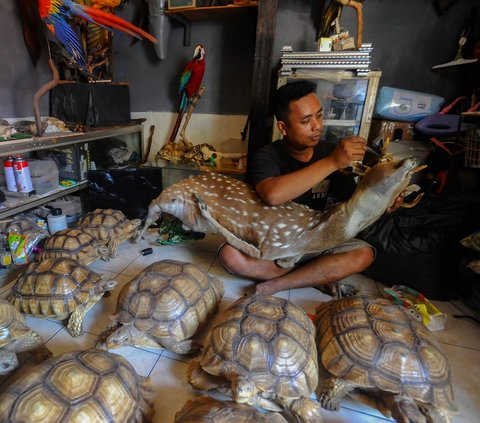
{"x":55,"y":14}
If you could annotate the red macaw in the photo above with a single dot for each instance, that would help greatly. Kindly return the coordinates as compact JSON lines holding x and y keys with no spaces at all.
{"x":190,"y":82}
{"x":55,"y":13}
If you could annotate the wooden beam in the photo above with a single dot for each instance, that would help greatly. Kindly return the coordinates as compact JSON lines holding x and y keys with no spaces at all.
{"x":262,"y":71}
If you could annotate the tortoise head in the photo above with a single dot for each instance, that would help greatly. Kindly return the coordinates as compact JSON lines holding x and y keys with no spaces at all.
{"x":105,"y":285}
{"x":120,"y":337}
{"x":243,"y":390}
{"x":8,"y":362}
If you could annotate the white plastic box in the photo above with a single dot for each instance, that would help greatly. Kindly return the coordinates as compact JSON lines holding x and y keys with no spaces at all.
{"x":44,"y":175}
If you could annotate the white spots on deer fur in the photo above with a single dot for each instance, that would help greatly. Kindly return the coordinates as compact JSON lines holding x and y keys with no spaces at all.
{"x":255,"y":214}
{"x":245,"y":213}
{"x":281,"y":225}
{"x":287,"y":233}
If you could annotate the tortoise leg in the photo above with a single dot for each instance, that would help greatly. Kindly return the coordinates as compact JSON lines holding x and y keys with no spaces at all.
{"x":33,"y":343}
{"x":201,"y":380}
{"x":104,"y":252}
{"x":75,"y":323}
{"x":333,"y":391}
{"x":188,"y":346}
{"x":113,"y":248}
{"x":405,"y":410}
{"x":305,"y":410}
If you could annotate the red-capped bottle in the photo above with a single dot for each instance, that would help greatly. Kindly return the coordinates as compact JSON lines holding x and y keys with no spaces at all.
{"x":22,"y":174}
{"x":10,"y":174}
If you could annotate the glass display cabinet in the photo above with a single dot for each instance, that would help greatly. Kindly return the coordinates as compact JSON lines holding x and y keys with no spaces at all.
{"x":348,"y":100}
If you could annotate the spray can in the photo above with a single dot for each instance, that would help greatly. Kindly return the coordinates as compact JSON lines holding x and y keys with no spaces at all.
{"x":22,"y":174}
{"x":10,"y":174}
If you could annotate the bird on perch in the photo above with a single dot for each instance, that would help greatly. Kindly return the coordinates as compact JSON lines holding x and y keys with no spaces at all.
{"x":56,"y":13}
{"x":190,"y":82}
{"x":332,"y":15}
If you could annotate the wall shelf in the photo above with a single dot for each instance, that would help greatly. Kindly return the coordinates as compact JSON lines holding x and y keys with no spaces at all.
{"x":194,"y":14}
{"x":187,"y":15}
{"x":64,"y":138}
{"x":14,"y":205}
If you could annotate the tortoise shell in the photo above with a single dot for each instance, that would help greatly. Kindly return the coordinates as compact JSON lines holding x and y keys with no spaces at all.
{"x":268,"y":339}
{"x":209,"y":410}
{"x":53,"y":287}
{"x":91,"y":385}
{"x":195,"y":154}
{"x":107,"y":224}
{"x":373,"y":343}
{"x":169,"y":299}
{"x":12,"y":323}
{"x":74,"y":243}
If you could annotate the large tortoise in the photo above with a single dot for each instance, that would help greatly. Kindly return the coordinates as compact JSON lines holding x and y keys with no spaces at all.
{"x":109,"y":225}
{"x":372,"y":344}
{"x":77,"y":244}
{"x":263,"y":349}
{"x":209,"y":410}
{"x":164,"y":306}
{"x":17,"y":337}
{"x":79,"y":386}
{"x":59,"y":288}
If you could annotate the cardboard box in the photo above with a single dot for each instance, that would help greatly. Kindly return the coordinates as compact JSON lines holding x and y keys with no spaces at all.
{"x":73,"y":161}
{"x":94,"y":105}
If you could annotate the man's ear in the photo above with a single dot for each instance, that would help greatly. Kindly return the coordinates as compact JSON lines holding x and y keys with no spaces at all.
{"x":282,"y":127}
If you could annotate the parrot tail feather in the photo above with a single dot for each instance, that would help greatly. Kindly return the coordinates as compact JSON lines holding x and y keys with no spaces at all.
{"x":111,"y":21}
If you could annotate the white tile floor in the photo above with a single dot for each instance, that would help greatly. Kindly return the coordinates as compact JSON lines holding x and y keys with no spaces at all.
{"x":460,"y":339}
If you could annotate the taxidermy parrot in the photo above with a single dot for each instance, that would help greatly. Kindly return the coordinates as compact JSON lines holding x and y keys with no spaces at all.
{"x":55,"y":14}
{"x":190,"y":82}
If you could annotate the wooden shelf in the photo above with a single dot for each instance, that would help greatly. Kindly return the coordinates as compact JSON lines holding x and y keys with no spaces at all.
{"x":194,"y":14}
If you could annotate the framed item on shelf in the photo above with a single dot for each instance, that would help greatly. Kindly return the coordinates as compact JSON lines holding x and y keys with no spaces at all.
{"x":180,"y":4}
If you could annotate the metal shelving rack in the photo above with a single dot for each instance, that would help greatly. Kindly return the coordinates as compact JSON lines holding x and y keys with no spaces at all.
{"x":19,"y":204}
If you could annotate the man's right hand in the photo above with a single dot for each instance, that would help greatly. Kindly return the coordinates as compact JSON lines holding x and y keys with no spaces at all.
{"x":349,"y":150}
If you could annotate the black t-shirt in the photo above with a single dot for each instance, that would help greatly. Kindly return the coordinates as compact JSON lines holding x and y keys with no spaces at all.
{"x":273,"y":160}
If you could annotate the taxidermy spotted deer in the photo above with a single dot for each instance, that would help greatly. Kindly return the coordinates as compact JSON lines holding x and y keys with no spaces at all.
{"x":217,"y":204}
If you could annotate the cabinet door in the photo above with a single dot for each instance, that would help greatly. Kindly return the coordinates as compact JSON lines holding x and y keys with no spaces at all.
{"x":347,"y":101}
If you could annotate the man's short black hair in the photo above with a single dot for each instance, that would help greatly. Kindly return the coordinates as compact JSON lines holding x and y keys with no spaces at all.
{"x":288,"y":93}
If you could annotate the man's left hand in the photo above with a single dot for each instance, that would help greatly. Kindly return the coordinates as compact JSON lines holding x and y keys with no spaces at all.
{"x":397,"y":203}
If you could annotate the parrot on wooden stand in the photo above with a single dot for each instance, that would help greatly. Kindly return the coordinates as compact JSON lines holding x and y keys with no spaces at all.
{"x":189,"y":91}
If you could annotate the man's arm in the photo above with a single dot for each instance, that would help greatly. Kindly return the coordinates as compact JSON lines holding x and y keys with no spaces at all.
{"x":280,"y":189}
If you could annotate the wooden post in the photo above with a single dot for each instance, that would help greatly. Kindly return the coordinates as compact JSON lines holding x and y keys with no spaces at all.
{"x":262,"y":70}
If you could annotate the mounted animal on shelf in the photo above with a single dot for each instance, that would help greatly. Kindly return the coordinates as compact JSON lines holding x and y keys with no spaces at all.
{"x":56,"y":15}
{"x":214,"y":203}
{"x":189,"y":93}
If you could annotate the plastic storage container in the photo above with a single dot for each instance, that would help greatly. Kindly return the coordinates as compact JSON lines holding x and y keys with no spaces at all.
{"x":397,"y":104}
{"x":44,"y":174}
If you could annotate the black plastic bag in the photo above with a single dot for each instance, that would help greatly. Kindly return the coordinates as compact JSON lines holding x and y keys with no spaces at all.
{"x":420,"y":247}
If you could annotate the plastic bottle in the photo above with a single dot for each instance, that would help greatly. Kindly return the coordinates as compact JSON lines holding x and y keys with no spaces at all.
{"x":10,"y":174}
{"x":56,"y":221}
